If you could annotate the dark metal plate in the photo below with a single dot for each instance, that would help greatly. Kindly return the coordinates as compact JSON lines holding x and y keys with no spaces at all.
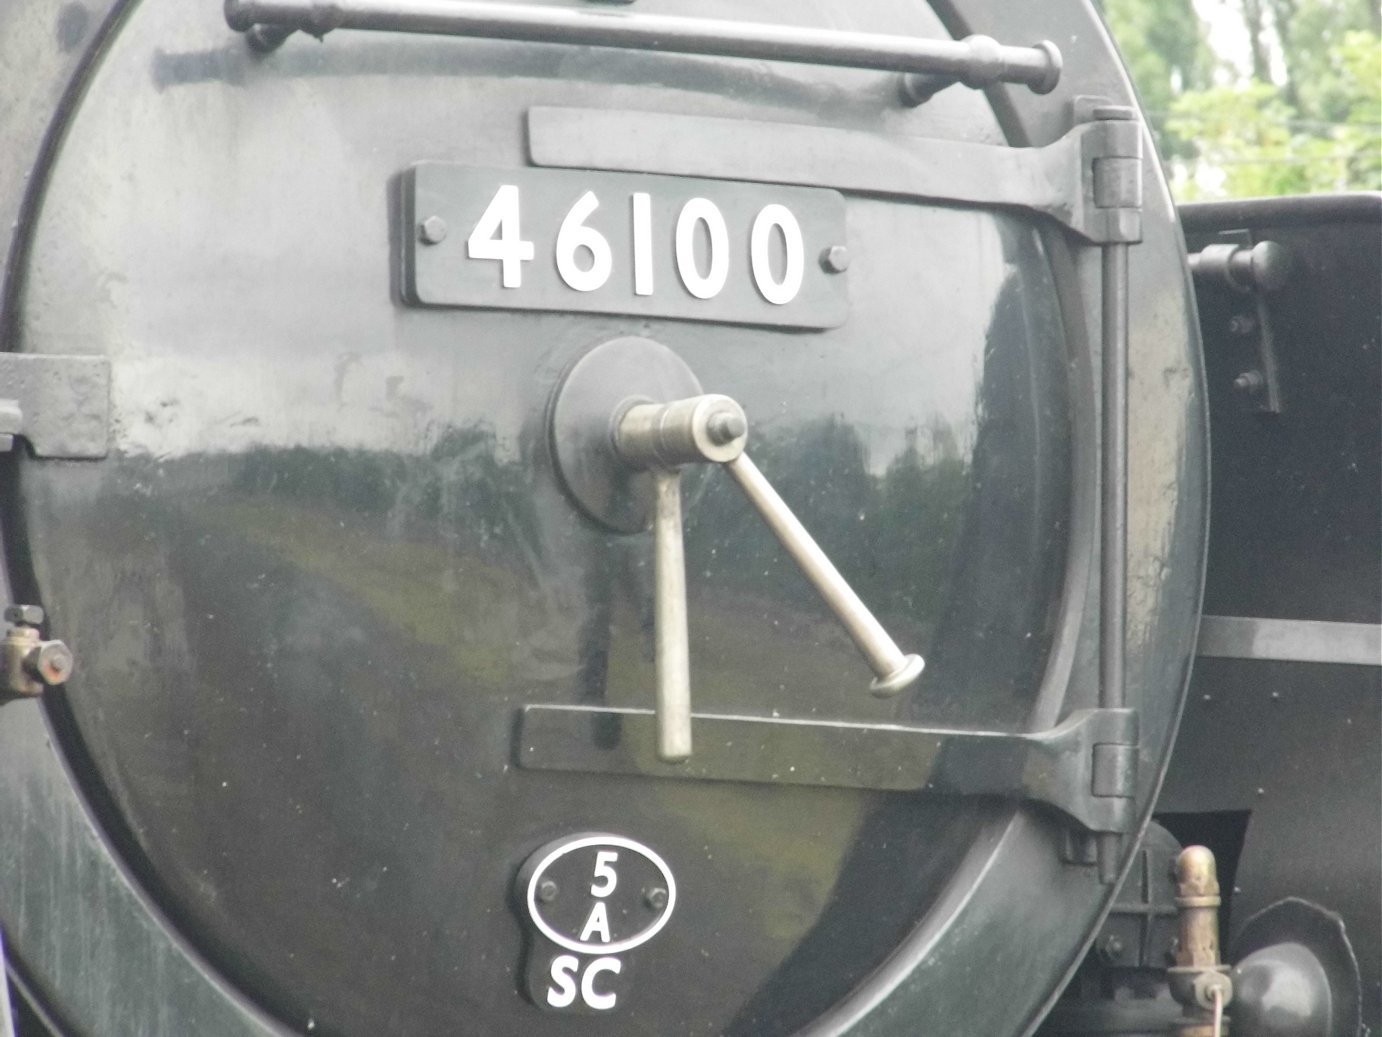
{"x":653,"y":246}
{"x":1060,"y":767}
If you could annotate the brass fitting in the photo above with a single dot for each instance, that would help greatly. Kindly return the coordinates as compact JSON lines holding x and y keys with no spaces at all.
{"x":1199,"y":980}
{"x":31,"y":664}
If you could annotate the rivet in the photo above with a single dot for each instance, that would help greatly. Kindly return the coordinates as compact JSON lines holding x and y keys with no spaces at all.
{"x":656,"y":898}
{"x":1110,"y":949}
{"x":1241,"y":324}
{"x":835,"y":259}
{"x":1249,"y":383}
{"x":547,"y":891}
{"x":432,"y":231}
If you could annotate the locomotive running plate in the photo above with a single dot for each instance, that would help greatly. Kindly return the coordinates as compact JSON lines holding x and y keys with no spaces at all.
{"x":655,"y":246}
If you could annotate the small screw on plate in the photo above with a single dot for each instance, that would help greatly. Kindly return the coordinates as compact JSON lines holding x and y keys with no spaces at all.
{"x":835,"y":259}
{"x":547,"y":891}
{"x":432,"y":231}
{"x":656,"y":898}
{"x":1250,"y":383}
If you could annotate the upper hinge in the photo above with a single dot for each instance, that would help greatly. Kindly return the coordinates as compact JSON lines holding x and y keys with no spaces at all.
{"x":1089,"y":180}
{"x":1111,"y":158}
{"x":59,"y":404}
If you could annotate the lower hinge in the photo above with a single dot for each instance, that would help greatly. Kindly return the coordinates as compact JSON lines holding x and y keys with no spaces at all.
{"x":1085,"y":767}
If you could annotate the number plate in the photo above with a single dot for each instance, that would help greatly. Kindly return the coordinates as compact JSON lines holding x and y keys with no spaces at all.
{"x":648,"y":246}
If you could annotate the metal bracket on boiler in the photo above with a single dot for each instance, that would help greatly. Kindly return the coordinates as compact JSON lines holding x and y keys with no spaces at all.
{"x":1085,"y":767}
{"x":59,"y":404}
{"x":1247,"y":271}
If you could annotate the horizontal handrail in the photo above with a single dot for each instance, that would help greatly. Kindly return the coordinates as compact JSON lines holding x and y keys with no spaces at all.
{"x":976,"y":61}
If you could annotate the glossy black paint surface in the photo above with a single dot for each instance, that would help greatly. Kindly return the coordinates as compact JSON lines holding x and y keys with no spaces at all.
{"x":329,"y":557}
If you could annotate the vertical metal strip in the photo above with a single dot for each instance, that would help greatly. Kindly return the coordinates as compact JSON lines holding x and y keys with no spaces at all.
{"x":1113,"y":506}
{"x":669,"y":603}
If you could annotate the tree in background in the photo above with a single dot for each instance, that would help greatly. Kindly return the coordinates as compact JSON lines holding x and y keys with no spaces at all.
{"x":1301,"y":111}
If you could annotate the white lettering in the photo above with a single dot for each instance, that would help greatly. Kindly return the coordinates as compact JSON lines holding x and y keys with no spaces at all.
{"x":597,"y":923}
{"x":497,"y":236}
{"x":642,"y":243}
{"x":605,"y":873}
{"x":702,"y":210}
{"x":564,"y":967}
{"x":573,"y":235}
{"x":777,"y":292}
{"x":600,"y":1002}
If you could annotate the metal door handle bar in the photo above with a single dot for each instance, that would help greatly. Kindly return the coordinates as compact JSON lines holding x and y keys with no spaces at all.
{"x":977,"y":61}
{"x":1084,"y":767}
{"x":673,"y":648}
{"x":893,"y":669}
{"x":661,"y":437}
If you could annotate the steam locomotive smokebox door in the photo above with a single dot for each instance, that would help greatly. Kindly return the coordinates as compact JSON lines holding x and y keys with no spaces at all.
{"x":383,"y":630}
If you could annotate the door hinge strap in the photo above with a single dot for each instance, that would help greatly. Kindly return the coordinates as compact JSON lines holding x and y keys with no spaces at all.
{"x":1085,"y":767}
{"x":1089,"y":180}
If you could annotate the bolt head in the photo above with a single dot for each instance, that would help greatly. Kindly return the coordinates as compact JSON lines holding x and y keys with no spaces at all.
{"x":1242,"y":324}
{"x":655,"y":898}
{"x":24,"y":615}
{"x":1110,"y":949}
{"x":432,"y":231}
{"x":52,"y":662}
{"x":835,"y":259}
{"x":726,"y":427}
{"x":1249,"y":383}
{"x":547,"y":891}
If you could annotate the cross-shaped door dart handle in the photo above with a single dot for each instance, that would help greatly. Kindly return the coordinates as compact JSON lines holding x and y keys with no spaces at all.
{"x":661,"y":438}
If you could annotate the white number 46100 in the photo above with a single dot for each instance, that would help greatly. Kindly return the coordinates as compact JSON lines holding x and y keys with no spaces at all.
{"x":585,"y":261}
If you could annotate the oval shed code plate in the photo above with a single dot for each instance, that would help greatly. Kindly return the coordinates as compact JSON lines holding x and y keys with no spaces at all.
{"x":653,"y":246}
